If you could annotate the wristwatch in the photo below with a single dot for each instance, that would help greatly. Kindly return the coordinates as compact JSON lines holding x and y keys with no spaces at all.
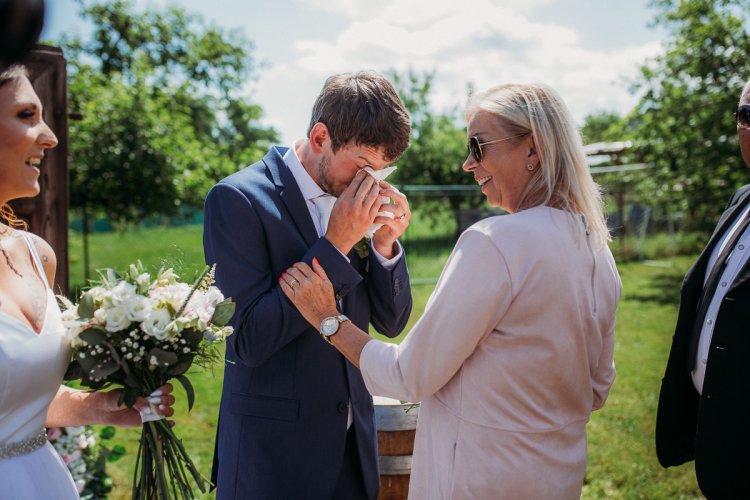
{"x":330,"y":325}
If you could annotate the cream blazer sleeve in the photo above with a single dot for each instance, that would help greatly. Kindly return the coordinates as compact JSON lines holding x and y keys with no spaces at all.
{"x":472,"y":295}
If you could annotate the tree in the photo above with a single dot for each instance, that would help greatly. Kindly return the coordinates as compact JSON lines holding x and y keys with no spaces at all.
{"x":604,"y":126}
{"x":163,"y":114}
{"x":437,"y":148}
{"x":685,"y":115}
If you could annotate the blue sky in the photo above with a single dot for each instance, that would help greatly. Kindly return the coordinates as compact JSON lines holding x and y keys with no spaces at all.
{"x":589,"y":50}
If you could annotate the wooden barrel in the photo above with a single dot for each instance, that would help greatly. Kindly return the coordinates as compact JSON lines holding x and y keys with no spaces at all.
{"x":396,"y":424}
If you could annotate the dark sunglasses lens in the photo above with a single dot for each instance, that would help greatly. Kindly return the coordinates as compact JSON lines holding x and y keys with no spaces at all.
{"x":475,"y":149}
{"x":743,"y":116}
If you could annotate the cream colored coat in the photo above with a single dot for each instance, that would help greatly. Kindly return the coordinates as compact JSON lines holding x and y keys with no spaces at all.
{"x":511,"y":356}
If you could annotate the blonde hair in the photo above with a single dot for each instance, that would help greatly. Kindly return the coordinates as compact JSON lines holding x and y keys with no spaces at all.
{"x":563,"y":179}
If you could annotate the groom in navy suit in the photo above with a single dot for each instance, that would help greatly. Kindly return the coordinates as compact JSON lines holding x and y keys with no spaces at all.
{"x":296,"y":420}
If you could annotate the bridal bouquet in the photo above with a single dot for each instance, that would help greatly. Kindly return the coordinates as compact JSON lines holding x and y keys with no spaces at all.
{"x":139,"y":332}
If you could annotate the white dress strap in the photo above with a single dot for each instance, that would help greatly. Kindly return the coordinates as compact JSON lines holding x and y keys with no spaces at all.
{"x":35,"y":257}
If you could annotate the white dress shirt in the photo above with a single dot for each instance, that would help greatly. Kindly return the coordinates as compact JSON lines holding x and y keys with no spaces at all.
{"x":311,"y":190}
{"x":735,"y":263}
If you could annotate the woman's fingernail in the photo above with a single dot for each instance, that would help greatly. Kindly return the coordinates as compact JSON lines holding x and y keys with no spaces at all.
{"x":157,"y":392}
{"x":162,"y":407}
{"x":145,"y":410}
{"x":315,"y":259}
{"x":154,"y":400}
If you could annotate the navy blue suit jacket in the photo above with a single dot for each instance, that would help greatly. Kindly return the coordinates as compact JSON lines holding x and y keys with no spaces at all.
{"x":282,"y":421}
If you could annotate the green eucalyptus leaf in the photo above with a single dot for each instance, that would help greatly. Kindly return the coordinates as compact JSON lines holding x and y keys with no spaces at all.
{"x":129,"y":395}
{"x":86,"y":307}
{"x":74,"y":371}
{"x":192,"y":337}
{"x":94,"y":336}
{"x":223,"y":312}
{"x":163,"y":358}
{"x":104,"y":369}
{"x":180,"y":367}
{"x":188,"y":390}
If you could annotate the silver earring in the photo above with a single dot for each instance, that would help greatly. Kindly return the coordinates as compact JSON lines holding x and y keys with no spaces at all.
{"x":530,"y":167}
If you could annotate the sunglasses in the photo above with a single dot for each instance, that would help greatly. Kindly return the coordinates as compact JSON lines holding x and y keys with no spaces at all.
{"x":743,"y":116}
{"x":474,"y":147}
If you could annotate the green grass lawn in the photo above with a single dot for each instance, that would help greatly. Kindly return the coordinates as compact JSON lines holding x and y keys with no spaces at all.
{"x":622,"y":460}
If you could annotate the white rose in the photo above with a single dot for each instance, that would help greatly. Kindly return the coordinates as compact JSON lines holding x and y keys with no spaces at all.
{"x":214,"y":296}
{"x":98,"y":293}
{"x":137,"y":308}
{"x":166,"y":277}
{"x":122,"y":292}
{"x":73,"y":329}
{"x":117,"y":319}
{"x":100,"y":317}
{"x":156,"y":322}
{"x":173,"y":295}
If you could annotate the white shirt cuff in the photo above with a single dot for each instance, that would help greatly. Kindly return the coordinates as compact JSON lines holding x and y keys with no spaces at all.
{"x":388,"y":264}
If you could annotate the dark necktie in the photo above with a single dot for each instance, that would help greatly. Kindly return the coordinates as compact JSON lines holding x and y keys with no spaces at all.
{"x":710,"y":288}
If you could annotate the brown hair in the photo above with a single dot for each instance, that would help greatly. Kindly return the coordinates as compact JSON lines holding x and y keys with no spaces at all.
{"x":363,"y":108}
{"x":12,"y":73}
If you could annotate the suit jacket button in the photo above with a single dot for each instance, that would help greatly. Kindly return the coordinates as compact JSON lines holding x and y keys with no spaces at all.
{"x":343,"y":407}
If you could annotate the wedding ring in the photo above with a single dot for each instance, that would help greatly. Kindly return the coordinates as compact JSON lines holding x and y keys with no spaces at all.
{"x":294,"y":282}
{"x":401,"y":216}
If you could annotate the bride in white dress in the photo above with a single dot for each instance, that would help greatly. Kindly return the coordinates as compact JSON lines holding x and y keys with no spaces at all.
{"x":33,"y":349}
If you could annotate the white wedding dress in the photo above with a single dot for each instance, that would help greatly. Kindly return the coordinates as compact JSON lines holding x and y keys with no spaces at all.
{"x":31,"y":370}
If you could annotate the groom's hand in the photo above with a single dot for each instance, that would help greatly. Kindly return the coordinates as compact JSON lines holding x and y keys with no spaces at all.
{"x":354,"y":212}
{"x":385,"y":238}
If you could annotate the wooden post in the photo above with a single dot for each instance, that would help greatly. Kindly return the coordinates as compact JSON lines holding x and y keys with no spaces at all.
{"x":47,"y":213}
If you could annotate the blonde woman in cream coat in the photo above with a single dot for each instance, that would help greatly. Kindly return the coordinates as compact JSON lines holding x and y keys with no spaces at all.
{"x":514,"y":350}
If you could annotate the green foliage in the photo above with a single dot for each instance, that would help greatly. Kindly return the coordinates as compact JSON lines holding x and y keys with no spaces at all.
{"x":437,"y":147}
{"x":685,"y":115}
{"x":603,"y":126}
{"x":160,"y":93}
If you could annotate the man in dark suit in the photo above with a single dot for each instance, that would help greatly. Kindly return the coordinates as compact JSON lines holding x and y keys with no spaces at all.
{"x":704,"y":405}
{"x":296,"y":420}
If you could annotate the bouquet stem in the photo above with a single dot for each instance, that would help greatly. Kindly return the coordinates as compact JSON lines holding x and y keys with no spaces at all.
{"x":160,"y":470}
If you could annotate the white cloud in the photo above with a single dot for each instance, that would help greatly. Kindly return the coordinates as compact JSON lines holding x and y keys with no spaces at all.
{"x":483,"y":42}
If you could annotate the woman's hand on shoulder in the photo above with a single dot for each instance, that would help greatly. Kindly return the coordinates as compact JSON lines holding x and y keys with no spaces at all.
{"x":310,"y":290}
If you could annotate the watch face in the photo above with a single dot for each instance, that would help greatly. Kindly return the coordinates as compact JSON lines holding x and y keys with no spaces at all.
{"x":329,"y":326}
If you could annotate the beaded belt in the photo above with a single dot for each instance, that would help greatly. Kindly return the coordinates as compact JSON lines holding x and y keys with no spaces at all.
{"x":23,"y":447}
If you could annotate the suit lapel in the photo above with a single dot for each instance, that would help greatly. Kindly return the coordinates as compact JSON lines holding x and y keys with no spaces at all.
{"x":290,"y":195}
{"x":696,"y":275}
{"x":744,"y":273}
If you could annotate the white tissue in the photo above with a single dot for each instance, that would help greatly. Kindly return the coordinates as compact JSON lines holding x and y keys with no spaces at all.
{"x":380,"y":175}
